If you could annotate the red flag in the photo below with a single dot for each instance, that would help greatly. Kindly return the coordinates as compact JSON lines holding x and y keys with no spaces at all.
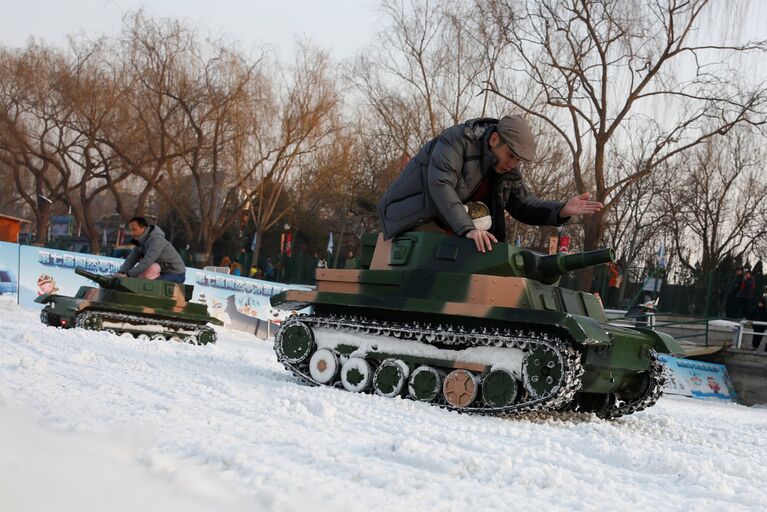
{"x":289,"y":244}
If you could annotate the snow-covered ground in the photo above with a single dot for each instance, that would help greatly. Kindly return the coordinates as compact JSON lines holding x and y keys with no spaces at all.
{"x":92,"y":421}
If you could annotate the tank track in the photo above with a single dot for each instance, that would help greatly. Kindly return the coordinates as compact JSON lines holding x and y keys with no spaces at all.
{"x":194,"y":333}
{"x":458,"y":338}
{"x":652,"y":393}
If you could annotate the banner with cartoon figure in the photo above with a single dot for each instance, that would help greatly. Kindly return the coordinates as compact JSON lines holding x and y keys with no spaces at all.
{"x":240,"y":302}
{"x":697,"y":379}
{"x":9,"y":268}
{"x":52,"y":271}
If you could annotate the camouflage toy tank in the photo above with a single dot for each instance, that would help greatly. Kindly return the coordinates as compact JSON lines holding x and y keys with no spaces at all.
{"x":144,"y":308}
{"x":430,"y":318}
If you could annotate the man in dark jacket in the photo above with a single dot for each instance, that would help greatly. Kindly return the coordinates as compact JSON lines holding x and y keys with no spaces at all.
{"x":759,"y":314}
{"x":732,"y":306}
{"x":455,"y":168}
{"x":153,"y":257}
{"x":746,"y":293}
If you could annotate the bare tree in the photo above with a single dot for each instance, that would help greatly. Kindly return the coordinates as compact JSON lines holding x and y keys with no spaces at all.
{"x":290,"y":128}
{"x":30,"y":136}
{"x":717,"y":206}
{"x":423,"y":74}
{"x":592,"y":70}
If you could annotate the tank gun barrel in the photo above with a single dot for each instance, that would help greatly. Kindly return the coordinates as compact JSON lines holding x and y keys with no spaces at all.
{"x":103,"y":281}
{"x":548,"y":269}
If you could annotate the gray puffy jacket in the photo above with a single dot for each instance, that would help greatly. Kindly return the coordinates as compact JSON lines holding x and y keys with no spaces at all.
{"x":446,"y":172}
{"x":152,"y":247}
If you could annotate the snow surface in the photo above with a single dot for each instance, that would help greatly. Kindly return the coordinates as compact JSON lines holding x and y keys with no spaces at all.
{"x":92,"y":421}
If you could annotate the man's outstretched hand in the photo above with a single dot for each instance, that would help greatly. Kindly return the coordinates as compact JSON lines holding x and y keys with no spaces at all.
{"x":482,"y":239}
{"x":580,"y":205}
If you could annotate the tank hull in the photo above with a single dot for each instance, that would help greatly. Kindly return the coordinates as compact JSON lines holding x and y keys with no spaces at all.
{"x":595,"y":366}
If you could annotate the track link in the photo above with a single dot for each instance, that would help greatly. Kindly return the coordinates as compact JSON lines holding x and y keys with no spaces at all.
{"x":186,"y":331}
{"x":458,"y":338}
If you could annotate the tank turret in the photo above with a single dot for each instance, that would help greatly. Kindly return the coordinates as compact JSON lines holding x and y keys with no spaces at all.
{"x":143,"y":308}
{"x":144,"y":287}
{"x":430,"y":318}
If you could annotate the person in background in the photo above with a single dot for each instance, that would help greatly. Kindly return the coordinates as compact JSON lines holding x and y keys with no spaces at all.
{"x":746,"y":294}
{"x":731,"y":303}
{"x":153,"y":257}
{"x":235,"y":269}
{"x":351,"y":261}
{"x":185,"y":256}
{"x":242,"y":258}
{"x":613,"y":284}
{"x":226,"y":261}
{"x":758,"y":314}
{"x":270,"y":269}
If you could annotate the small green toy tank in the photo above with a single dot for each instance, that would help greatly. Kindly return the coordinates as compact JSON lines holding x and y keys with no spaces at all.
{"x":147,"y":309}
{"x":430,"y":318}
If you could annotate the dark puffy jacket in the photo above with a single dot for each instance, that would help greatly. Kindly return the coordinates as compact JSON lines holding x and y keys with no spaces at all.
{"x":446,"y":172}
{"x":152,"y":247}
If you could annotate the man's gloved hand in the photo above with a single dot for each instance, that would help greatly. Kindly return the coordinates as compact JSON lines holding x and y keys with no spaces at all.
{"x":482,"y":239}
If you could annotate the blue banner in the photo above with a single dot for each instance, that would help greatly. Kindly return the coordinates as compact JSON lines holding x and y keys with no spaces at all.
{"x":9,"y":268}
{"x":697,"y":379}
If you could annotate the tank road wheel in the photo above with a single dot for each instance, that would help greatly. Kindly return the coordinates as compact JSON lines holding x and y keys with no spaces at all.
{"x":206,"y":335}
{"x":158,"y":337}
{"x":142,"y":337}
{"x":542,"y":371}
{"x":294,"y":342}
{"x":390,"y":378}
{"x":111,"y":331}
{"x":425,"y":384}
{"x":176,"y":339}
{"x":460,"y":388}
{"x":499,"y":388}
{"x":89,"y":321}
{"x":356,"y":374}
{"x":192,"y":339}
{"x":323,"y":366}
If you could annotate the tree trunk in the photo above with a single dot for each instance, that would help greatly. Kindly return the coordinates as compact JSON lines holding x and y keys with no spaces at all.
{"x":256,"y":251}
{"x":42,"y":217}
{"x":592,"y":235}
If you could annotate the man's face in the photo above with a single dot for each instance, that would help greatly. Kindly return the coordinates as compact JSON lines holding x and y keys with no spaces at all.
{"x":507,"y":160}
{"x":136,"y":229}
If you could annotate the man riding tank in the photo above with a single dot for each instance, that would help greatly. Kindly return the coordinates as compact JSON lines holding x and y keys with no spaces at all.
{"x":153,"y":257}
{"x":454,"y":168}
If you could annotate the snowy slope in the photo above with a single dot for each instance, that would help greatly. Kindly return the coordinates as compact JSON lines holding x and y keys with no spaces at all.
{"x":91,"y":418}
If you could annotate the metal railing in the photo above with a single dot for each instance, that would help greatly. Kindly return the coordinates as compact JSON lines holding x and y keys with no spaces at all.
{"x":220,"y":270}
{"x":742,"y":331}
{"x":648,"y":319}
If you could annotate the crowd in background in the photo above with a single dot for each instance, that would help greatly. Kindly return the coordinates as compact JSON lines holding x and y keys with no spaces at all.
{"x":294,"y":268}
